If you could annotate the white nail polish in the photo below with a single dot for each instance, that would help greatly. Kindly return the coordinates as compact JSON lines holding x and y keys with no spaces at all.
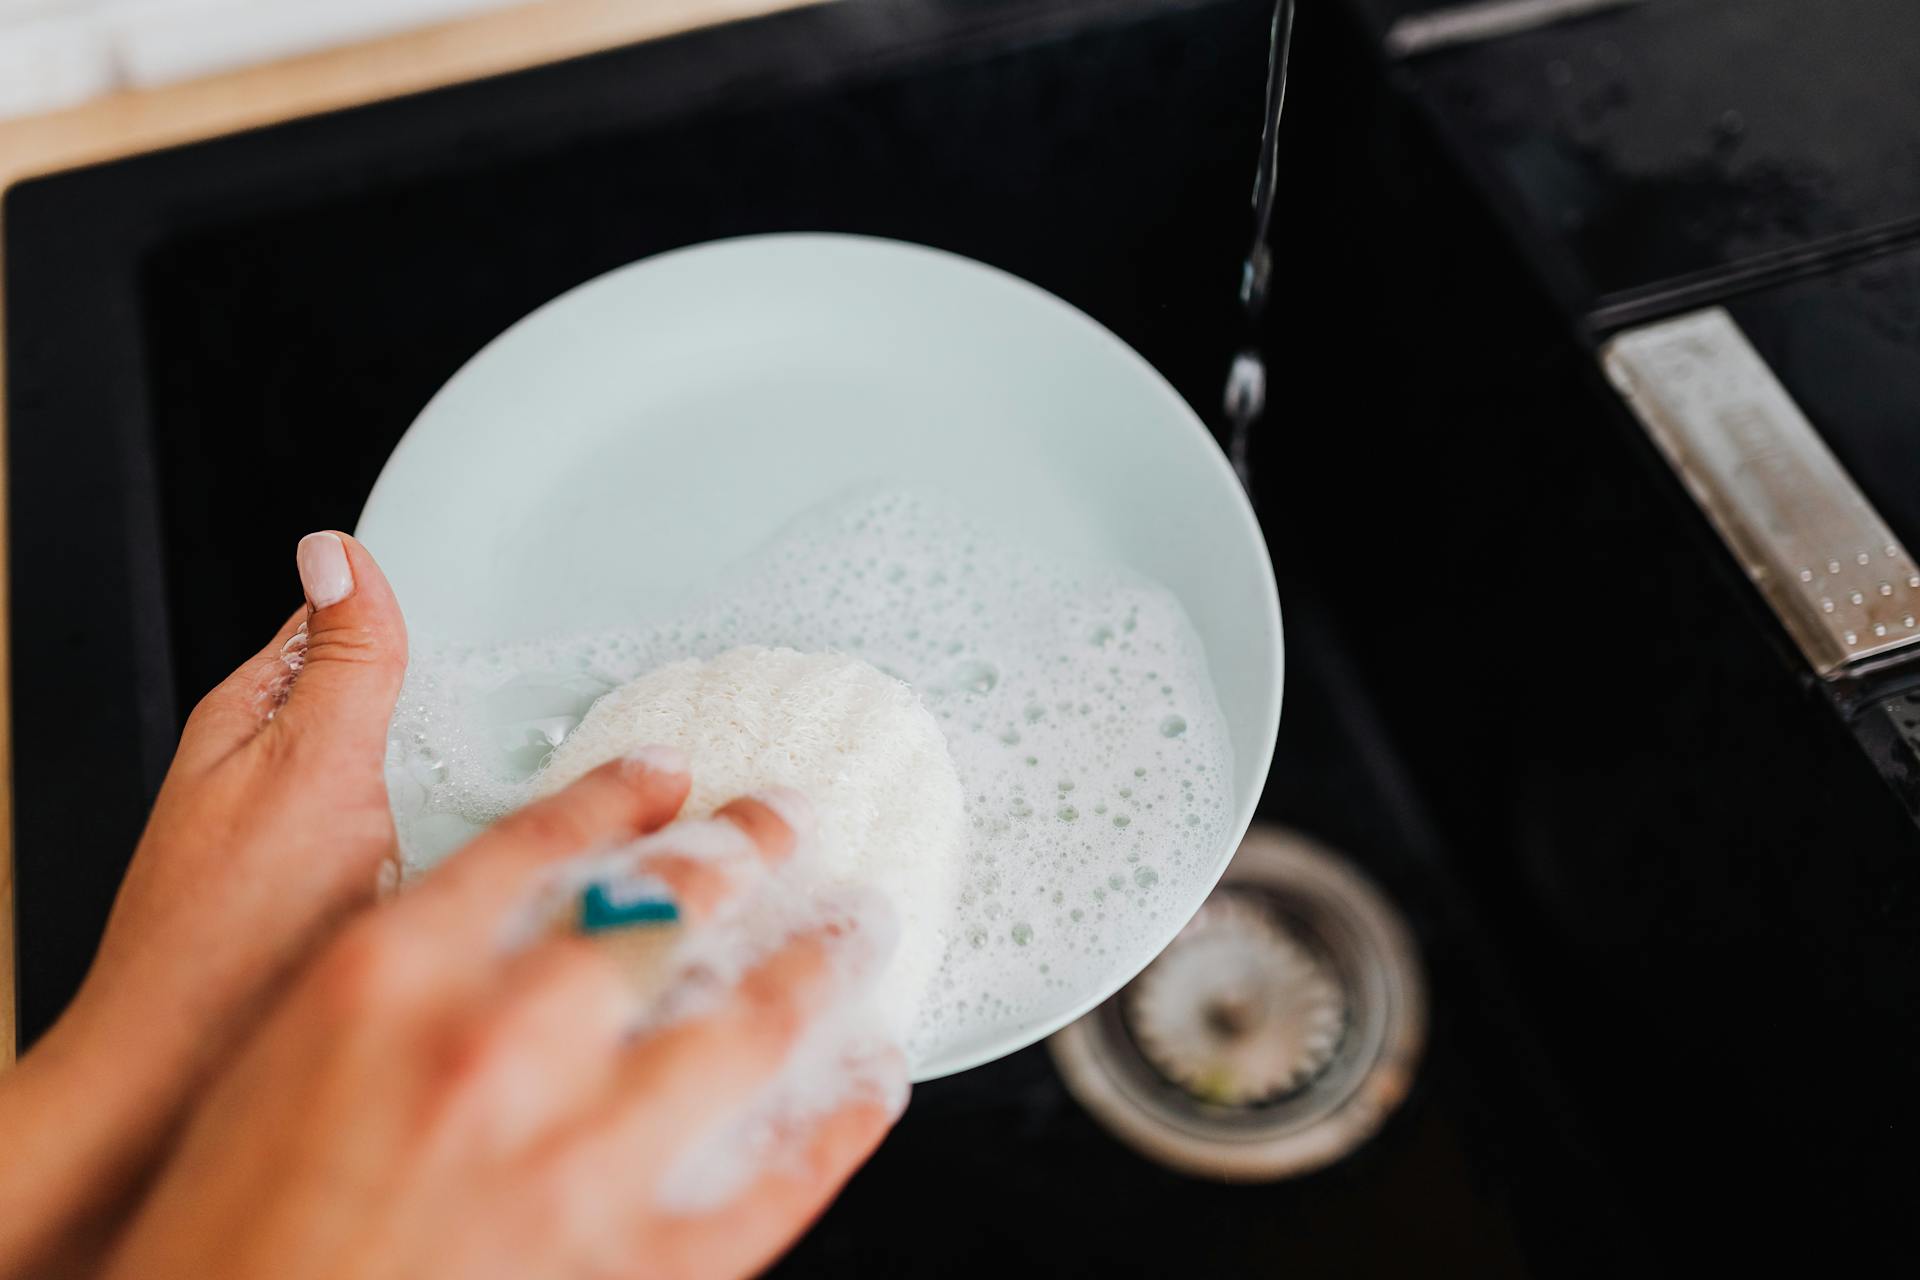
{"x":324,"y":572}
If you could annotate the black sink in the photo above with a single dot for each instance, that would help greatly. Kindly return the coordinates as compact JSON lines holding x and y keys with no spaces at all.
{"x":212,"y":350}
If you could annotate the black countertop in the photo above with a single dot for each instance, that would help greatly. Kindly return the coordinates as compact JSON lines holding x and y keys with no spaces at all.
{"x":1667,"y":148}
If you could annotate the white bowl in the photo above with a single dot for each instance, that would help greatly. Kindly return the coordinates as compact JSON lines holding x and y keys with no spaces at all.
{"x":609,"y":453}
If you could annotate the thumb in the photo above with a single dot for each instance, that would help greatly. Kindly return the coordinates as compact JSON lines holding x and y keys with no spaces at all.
{"x":356,"y":650}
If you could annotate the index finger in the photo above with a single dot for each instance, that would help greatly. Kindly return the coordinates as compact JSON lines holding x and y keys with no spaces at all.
{"x":471,"y":896}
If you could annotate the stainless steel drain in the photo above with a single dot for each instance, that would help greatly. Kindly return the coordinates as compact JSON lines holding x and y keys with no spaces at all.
{"x":1238,"y":1010}
{"x":1273,"y":1036}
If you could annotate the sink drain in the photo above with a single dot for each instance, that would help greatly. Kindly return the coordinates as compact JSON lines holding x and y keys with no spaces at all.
{"x":1240,"y":1009}
{"x":1273,"y":1036}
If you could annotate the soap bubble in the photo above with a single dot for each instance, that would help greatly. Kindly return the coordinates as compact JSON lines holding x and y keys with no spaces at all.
{"x":1027,"y":655}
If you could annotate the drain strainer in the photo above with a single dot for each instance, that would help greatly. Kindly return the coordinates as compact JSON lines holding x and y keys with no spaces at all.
{"x":1238,"y":1009}
{"x":1274,"y":1035}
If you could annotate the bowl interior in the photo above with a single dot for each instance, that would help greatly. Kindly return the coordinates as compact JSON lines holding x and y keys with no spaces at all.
{"x":603,"y":458}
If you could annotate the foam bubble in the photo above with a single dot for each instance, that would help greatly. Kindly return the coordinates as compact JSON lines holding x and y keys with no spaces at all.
{"x":1074,"y":701}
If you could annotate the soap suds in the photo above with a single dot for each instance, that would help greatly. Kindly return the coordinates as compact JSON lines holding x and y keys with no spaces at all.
{"x":856,"y":743}
{"x":1091,"y":752}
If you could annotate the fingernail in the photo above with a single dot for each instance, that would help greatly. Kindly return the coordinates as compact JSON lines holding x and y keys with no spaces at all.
{"x":324,"y":572}
{"x":793,"y":808}
{"x":658,"y":758}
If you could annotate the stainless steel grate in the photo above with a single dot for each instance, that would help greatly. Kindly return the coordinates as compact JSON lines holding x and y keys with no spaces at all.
{"x":1840,"y":582}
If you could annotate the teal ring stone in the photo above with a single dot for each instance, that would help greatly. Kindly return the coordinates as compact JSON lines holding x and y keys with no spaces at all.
{"x":601,"y":912}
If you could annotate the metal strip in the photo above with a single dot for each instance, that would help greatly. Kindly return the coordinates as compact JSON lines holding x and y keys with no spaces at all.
{"x":1840,"y":582}
{"x":1469,"y":23}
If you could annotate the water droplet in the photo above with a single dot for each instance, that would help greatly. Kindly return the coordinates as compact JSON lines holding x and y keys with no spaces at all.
{"x":1010,"y":735}
{"x":1022,"y":934}
{"x":1122,"y":820}
{"x":1102,"y":636}
{"x":1066,"y":784}
{"x":1019,"y":808}
{"x":1139,"y":773}
{"x":1068,"y":813}
{"x":1035,"y":713}
{"x":1173,"y":727}
{"x":1145,"y":877}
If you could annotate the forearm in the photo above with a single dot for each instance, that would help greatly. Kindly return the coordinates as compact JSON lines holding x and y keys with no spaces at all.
{"x":81,"y":1119}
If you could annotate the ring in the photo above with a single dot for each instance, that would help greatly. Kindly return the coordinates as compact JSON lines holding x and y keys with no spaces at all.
{"x":635,"y":902}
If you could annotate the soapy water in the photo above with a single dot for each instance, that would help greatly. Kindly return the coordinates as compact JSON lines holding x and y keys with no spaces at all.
{"x":847,"y":1054}
{"x":1074,"y":700}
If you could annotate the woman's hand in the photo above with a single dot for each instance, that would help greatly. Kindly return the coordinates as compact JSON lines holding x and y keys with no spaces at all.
{"x":271,"y":828}
{"x":429,"y":1102}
